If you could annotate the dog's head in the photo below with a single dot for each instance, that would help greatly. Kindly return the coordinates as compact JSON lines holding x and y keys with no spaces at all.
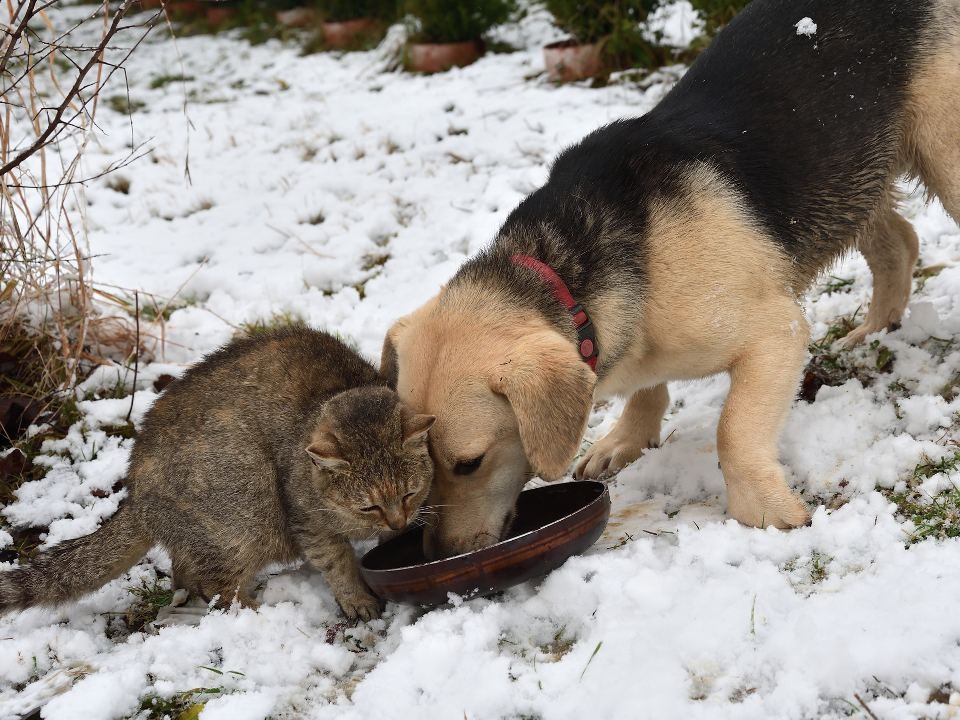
{"x":511,"y":397}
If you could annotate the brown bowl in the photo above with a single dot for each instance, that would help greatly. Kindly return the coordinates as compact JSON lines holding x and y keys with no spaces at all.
{"x":553,"y":522}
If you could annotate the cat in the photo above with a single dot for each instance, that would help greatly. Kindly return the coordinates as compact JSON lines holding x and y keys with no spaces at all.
{"x":278,"y":446}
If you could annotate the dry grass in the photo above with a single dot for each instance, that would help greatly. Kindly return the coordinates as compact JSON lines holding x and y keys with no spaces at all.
{"x":54,"y":324}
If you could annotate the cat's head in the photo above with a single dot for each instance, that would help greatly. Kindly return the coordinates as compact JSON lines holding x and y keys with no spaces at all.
{"x":372,"y":455}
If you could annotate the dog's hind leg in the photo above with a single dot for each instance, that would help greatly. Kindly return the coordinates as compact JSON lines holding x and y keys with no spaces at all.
{"x":637,"y":429}
{"x":891,"y":247}
{"x":763,"y":384}
{"x":932,"y":132}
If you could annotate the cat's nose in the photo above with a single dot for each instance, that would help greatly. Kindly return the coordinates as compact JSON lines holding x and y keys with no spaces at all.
{"x":395,"y":516}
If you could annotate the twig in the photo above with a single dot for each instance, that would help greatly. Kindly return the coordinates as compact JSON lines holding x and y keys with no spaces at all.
{"x":136,"y":353}
{"x":72,"y":93}
{"x":865,"y":707}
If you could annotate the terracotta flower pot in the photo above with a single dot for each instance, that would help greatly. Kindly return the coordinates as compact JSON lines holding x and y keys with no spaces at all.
{"x":431,"y":57}
{"x":297,"y":17}
{"x":219,"y":15}
{"x":185,"y":8}
{"x":343,"y":34}
{"x":567,"y":60}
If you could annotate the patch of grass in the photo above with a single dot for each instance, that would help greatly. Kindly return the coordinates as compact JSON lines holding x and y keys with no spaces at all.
{"x":120,"y":184}
{"x":839,"y":328}
{"x":374,"y":260}
{"x":951,"y":390}
{"x":153,"y":311}
{"x":560,"y":645}
{"x":833,"y":365}
{"x":160,"y":81}
{"x":818,"y":566}
{"x":276,"y":322}
{"x":885,"y":357}
{"x":740,"y":694}
{"x":150,"y":599}
{"x":186,"y":705}
{"x":923,"y":274}
{"x":125,"y":105}
{"x":934,"y":517}
{"x":837,"y":284}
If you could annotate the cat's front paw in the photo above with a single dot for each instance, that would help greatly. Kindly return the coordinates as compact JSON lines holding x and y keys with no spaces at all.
{"x":359,"y":603}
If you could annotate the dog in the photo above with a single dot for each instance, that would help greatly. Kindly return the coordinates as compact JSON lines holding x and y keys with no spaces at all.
{"x":677,"y":245}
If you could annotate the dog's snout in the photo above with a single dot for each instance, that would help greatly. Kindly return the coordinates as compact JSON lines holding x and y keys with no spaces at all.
{"x":508,"y":519}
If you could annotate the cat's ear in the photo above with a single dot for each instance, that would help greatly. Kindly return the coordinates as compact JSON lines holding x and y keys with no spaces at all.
{"x":415,"y":429}
{"x":325,"y":453}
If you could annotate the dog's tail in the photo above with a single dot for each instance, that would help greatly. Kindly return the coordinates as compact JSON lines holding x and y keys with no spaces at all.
{"x":76,"y":567}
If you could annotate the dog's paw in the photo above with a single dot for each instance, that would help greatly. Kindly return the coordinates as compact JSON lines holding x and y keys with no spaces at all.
{"x":359,"y":604}
{"x":761,"y":505}
{"x":860,"y":333}
{"x":610,"y":455}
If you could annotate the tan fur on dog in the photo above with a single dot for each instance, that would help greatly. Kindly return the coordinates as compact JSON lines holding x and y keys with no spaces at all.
{"x":710,"y":249}
{"x":932,"y":133}
{"x":719,"y":296}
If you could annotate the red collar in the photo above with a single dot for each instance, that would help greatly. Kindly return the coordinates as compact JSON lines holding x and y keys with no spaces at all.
{"x":586,"y":338}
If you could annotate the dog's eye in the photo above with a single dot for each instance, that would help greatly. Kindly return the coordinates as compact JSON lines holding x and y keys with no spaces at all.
{"x":467,"y":467}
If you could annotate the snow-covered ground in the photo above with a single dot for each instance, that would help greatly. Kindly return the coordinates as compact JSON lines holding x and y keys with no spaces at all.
{"x":326,"y":189}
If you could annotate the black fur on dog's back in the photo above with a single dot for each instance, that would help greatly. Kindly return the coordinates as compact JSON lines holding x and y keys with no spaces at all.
{"x":807,"y":128}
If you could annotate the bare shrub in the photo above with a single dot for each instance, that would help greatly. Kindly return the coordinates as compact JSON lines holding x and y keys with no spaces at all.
{"x":53,"y":322}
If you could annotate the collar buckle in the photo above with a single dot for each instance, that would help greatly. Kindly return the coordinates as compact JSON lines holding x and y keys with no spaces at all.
{"x":586,"y":334}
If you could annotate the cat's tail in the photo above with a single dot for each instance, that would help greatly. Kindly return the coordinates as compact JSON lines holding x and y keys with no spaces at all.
{"x":76,"y":567}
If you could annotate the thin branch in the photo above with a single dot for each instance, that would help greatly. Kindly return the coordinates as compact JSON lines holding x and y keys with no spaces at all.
{"x":51,"y":128}
{"x":136,"y":353}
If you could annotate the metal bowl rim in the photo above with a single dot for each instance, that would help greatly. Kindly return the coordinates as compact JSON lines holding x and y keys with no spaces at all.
{"x":495,"y":549}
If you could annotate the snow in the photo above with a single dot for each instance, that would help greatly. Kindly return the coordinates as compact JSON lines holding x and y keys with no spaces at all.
{"x":806,"y":26}
{"x":329,"y":190}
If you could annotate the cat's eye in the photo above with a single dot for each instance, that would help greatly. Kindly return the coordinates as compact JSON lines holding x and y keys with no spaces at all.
{"x":467,"y":467}
{"x":370,"y":508}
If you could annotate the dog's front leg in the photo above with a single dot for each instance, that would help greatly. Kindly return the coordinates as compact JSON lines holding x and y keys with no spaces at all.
{"x":637,"y":429}
{"x":763,"y":384}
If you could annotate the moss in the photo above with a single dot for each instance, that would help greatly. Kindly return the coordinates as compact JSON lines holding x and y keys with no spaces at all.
{"x":280,"y":320}
{"x":124,"y":104}
{"x":160,"y":81}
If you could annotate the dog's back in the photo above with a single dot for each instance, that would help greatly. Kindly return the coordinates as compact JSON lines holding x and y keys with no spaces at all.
{"x":808,"y":124}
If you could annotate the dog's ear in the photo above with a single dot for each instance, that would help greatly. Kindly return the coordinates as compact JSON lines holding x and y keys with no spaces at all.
{"x":389,"y":364}
{"x":388,"y":354}
{"x":551,"y":392}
